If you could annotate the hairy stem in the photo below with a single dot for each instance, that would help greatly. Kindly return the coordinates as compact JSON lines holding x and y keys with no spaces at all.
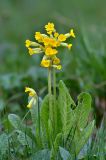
{"x":39,"y":117}
{"x":50,"y":104}
{"x":50,"y":95}
{"x":54,"y":84}
{"x":49,"y":87}
{"x":54,"y":108}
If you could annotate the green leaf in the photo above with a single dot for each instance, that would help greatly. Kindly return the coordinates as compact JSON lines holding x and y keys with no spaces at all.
{"x":42,"y":155}
{"x":79,"y":116}
{"x":15,"y":121}
{"x":99,"y":143}
{"x":45,"y":118}
{"x":45,"y":112}
{"x":81,"y":138}
{"x":58,"y":121}
{"x":65,"y":155}
{"x":3,"y":144}
{"x":55,"y":147}
{"x":24,"y":139}
{"x":2,"y":105}
{"x":50,"y":139}
{"x":63,"y":91}
{"x":65,"y":101}
{"x":83,"y":109}
{"x":18,"y":125}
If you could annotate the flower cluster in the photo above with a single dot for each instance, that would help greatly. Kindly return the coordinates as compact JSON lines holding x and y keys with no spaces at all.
{"x":48,"y":44}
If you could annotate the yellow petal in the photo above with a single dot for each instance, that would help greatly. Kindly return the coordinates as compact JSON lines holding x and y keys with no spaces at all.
{"x":72,"y":34}
{"x":45,"y":63}
{"x":30,"y":103}
{"x":27,"y":43}
{"x":31,"y":91}
{"x":69,"y":46}
{"x":61,"y":37}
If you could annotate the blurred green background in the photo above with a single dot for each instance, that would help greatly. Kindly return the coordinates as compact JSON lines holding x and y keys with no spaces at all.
{"x":83,"y":67}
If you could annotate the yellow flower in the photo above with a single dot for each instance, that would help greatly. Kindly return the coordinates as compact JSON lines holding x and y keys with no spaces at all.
{"x":48,"y":44}
{"x":38,"y":36}
{"x":49,"y":32}
{"x":66,"y":45}
{"x":32,"y":95}
{"x":31,"y":102}
{"x":57,"y":66}
{"x":49,"y":51}
{"x":45,"y":63}
{"x":61,"y":37}
{"x":50,"y":28}
{"x":56,"y":61}
{"x":34,"y":50}
{"x":56,"y":34}
{"x":46,"y":41}
{"x":72,"y":34}
{"x":28,"y":43}
{"x":31,"y":52}
{"x":69,"y":46}
{"x":54,"y":42}
{"x":31,"y":91}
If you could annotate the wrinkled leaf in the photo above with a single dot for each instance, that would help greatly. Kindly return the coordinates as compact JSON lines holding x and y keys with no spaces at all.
{"x":3,"y":144}
{"x":65,"y":155}
{"x":42,"y":155}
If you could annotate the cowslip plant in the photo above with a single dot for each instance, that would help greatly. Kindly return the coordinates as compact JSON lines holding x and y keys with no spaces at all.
{"x":60,"y":127}
{"x":48,"y":45}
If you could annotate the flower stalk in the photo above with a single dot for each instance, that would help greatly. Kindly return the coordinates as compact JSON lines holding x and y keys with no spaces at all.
{"x":50,"y":93}
{"x":55,"y":104}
